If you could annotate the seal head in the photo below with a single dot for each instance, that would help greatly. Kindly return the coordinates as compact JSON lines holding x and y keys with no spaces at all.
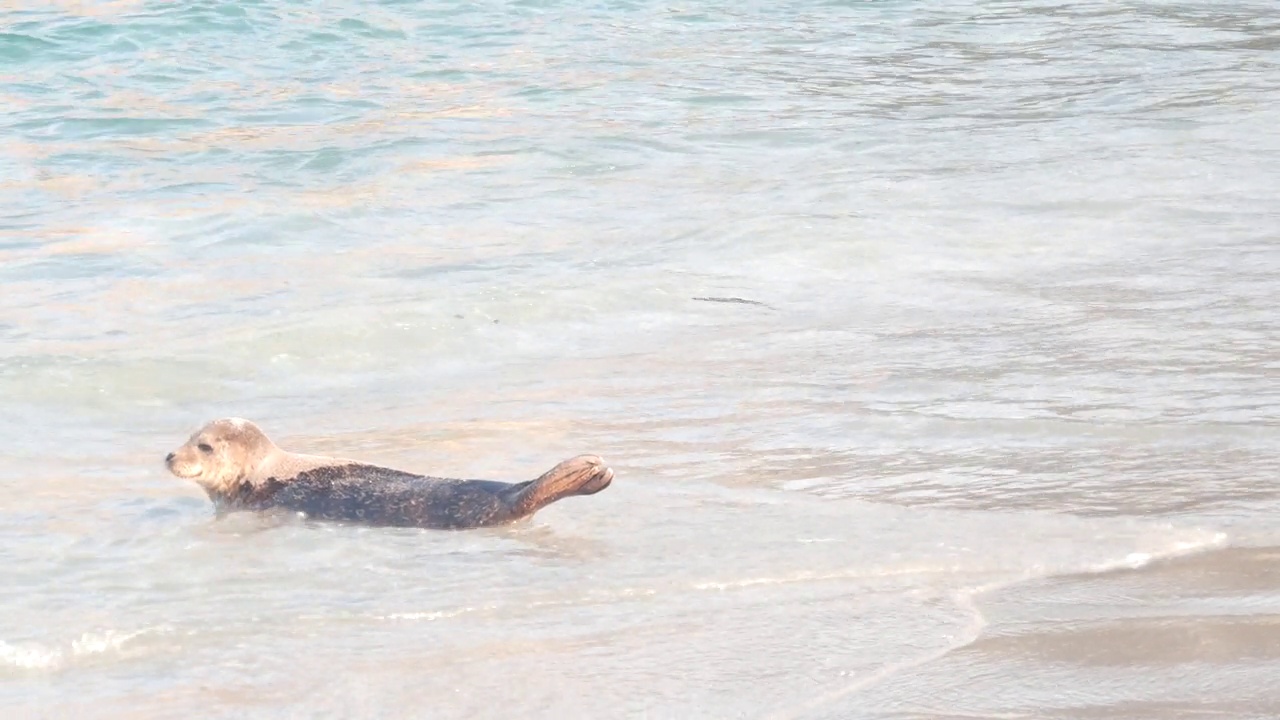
{"x":222,"y":455}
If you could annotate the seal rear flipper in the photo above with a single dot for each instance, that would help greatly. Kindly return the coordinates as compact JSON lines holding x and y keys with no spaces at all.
{"x":582,"y":475}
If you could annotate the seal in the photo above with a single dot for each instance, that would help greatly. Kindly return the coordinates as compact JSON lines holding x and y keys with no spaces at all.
{"x":241,"y":469}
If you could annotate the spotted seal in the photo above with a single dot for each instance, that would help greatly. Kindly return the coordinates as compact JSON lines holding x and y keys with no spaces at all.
{"x":241,"y":469}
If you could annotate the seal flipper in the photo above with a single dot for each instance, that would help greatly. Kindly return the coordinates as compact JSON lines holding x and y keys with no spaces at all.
{"x":582,"y":475}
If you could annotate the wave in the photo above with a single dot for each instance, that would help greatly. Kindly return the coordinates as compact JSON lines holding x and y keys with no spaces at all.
{"x":38,"y":656}
{"x":966,"y":598}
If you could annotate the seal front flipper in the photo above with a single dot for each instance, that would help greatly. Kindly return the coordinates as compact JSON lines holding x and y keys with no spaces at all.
{"x":582,"y":475}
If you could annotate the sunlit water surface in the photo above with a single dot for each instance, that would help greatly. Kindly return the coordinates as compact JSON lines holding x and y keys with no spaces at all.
{"x":999,"y":440}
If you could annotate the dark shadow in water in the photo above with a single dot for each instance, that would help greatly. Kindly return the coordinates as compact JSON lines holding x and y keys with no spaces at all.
{"x":530,"y":539}
{"x":735,"y":300}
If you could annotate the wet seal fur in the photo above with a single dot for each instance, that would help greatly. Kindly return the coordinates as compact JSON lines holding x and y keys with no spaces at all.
{"x":242,"y":470}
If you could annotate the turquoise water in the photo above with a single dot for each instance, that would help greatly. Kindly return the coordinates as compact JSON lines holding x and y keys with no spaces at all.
{"x":999,"y":441}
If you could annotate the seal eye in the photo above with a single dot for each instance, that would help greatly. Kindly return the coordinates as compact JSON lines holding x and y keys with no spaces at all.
{"x":205,"y":447}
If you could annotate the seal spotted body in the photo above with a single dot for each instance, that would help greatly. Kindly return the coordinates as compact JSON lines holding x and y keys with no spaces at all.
{"x":242,"y":470}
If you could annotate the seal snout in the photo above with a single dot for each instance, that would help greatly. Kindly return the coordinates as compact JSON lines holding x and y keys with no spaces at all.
{"x":601,"y":480}
{"x":598,"y":475}
{"x":181,"y":463}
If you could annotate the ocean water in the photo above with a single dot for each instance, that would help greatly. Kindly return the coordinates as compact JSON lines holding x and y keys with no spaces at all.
{"x":997,"y":434}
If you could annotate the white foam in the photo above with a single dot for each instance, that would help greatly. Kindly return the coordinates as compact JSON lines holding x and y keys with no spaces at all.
{"x":435,"y":614}
{"x":1140,"y":559}
{"x":34,"y":656}
{"x":871,"y":572}
{"x":29,"y":657}
{"x":97,"y":643}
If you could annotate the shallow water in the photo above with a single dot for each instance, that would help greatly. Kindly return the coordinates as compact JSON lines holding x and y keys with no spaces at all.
{"x":1000,"y":440}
